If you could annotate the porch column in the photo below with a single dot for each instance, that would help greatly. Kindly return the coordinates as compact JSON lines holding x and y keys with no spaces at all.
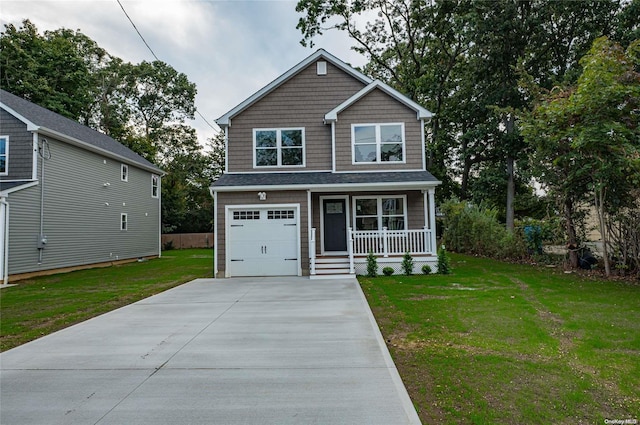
{"x":432,"y":218}
{"x":352,"y":269}
{"x":312,"y":252}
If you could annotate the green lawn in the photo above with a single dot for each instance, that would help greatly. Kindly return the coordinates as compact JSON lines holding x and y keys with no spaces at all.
{"x":39,"y":306}
{"x":497,"y":343}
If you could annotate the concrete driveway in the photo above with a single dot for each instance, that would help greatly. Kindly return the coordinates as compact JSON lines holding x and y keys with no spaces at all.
{"x":233,"y":351}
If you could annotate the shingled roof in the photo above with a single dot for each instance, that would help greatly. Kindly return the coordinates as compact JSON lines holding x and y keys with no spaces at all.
{"x":323,"y":180}
{"x":55,"y":125}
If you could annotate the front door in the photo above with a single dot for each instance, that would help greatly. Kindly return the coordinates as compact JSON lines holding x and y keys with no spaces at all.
{"x":335,"y":224}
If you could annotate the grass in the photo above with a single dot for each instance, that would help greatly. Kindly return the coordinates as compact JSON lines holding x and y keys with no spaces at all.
{"x":42,"y":305}
{"x":511,"y":344}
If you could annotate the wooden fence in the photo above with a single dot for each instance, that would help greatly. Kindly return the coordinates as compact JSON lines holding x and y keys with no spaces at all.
{"x":187,"y":240}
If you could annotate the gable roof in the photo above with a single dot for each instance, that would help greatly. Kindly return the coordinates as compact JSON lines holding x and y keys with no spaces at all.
{"x":421,"y":112}
{"x":55,"y":125}
{"x":225,"y":120}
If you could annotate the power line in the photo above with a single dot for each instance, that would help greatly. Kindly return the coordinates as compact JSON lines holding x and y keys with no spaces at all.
{"x":136,"y":28}
{"x":155,"y":56}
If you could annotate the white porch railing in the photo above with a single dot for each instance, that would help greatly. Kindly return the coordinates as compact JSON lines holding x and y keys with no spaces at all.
{"x":391,"y":242}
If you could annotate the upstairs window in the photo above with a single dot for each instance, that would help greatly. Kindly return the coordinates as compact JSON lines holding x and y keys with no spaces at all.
{"x":4,"y":155}
{"x":124,"y":172}
{"x":278,"y":147}
{"x":377,"y":143}
{"x":155,"y":185}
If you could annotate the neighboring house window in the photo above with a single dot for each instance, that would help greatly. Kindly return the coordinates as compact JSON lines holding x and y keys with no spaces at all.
{"x":4,"y":155}
{"x":274,"y":147}
{"x":123,"y":221}
{"x":155,"y":185}
{"x":377,"y":143}
{"x":124,"y":172}
{"x":374,"y":213}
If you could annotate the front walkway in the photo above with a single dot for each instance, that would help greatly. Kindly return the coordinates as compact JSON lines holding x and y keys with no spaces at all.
{"x":233,"y":351}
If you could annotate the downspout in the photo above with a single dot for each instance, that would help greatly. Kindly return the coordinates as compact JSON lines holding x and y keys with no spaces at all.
{"x":159,"y":215}
{"x":5,"y":251}
{"x":44,"y":153}
{"x":214,"y":195}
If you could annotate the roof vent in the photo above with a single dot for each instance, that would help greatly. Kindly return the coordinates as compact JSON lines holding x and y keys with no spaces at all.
{"x":321,"y":67}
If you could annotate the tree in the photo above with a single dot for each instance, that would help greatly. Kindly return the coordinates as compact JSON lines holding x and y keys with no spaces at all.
{"x":144,"y":106}
{"x":55,"y":70}
{"x":587,"y":138}
{"x":462,"y":60}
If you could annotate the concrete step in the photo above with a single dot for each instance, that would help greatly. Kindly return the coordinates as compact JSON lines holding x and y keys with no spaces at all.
{"x":332,"y":271}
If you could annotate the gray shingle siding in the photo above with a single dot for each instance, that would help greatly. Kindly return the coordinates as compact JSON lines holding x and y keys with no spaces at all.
{"x":80,"y":227}
{"x":20,"y":147}
{"x":300,"y":102}
{"x":375,"y":108}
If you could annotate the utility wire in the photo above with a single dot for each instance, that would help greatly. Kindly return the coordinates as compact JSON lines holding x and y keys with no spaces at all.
{"x":155,"y":56}
{"x":136,"y":28}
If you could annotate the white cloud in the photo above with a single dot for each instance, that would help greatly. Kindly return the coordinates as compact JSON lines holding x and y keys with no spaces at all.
{"x":229,"y":49}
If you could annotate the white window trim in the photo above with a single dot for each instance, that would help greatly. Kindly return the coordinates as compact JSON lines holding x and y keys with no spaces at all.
{"x":124,"y":222}
{"x":379,"y":198}
{"x":279,"y":147}
{"x":157,"y":195}
{"x":378,"y":143}
{"x":124,"y":172}
{"x":6,"y":156}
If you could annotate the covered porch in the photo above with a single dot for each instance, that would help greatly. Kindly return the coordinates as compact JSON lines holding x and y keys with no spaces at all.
{"x":346,"y":227}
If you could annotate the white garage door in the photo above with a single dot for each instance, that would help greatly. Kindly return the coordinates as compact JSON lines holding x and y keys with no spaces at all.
{"x":263,"y":241}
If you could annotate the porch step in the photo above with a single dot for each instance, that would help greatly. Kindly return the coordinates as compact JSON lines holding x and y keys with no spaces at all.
{"x":332,"y":266}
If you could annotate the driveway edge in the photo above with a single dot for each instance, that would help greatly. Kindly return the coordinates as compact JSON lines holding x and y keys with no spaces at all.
{"x":407,"y":404}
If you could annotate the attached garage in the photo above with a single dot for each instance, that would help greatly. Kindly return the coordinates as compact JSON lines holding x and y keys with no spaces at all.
{"x":263,"y":240}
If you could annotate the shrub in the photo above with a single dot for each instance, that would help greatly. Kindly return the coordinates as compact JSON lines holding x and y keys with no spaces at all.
{"x":475,"y":229}
{"x":387,"y":271}
{"x":372,"y":265}
{"x":168,"y":246}
{"x":407,"y":264}
{"x":426,"y":269}
{"x":443,"y":261}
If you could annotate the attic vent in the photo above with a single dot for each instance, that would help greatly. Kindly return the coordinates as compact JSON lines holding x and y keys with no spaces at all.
{"x":321,"y":67}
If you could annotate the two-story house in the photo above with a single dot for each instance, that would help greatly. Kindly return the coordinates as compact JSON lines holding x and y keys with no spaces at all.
{"x":70,"y":197}
{"x":323,"y":166}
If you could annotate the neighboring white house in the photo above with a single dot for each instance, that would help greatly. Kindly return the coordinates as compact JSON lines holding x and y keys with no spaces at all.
{"x":70,"y":196}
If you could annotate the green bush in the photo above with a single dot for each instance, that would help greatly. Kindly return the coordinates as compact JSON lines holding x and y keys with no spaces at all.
{"x":372,"y":265}
{"x":475,"y":229}
{"x":387,"y":271}
{"x":407,"y":264}
{"x":443,"y":261}
{"x":426,"y":269}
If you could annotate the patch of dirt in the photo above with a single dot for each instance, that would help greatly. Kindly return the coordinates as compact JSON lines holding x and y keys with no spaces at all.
{"x":427,"y":297}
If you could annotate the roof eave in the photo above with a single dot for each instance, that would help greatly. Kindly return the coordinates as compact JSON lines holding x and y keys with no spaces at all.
{"x":336,"y":186}
{"x":422,"y":113}
{"x":92,"y":148}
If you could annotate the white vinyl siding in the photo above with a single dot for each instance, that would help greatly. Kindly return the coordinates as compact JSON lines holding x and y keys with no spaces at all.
{"x":377,"y":143}
{"x":374,"y":213}
{"x":278,"y":147}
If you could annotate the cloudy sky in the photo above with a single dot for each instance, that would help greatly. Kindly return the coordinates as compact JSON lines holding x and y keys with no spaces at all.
{"x":229,"y":49}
